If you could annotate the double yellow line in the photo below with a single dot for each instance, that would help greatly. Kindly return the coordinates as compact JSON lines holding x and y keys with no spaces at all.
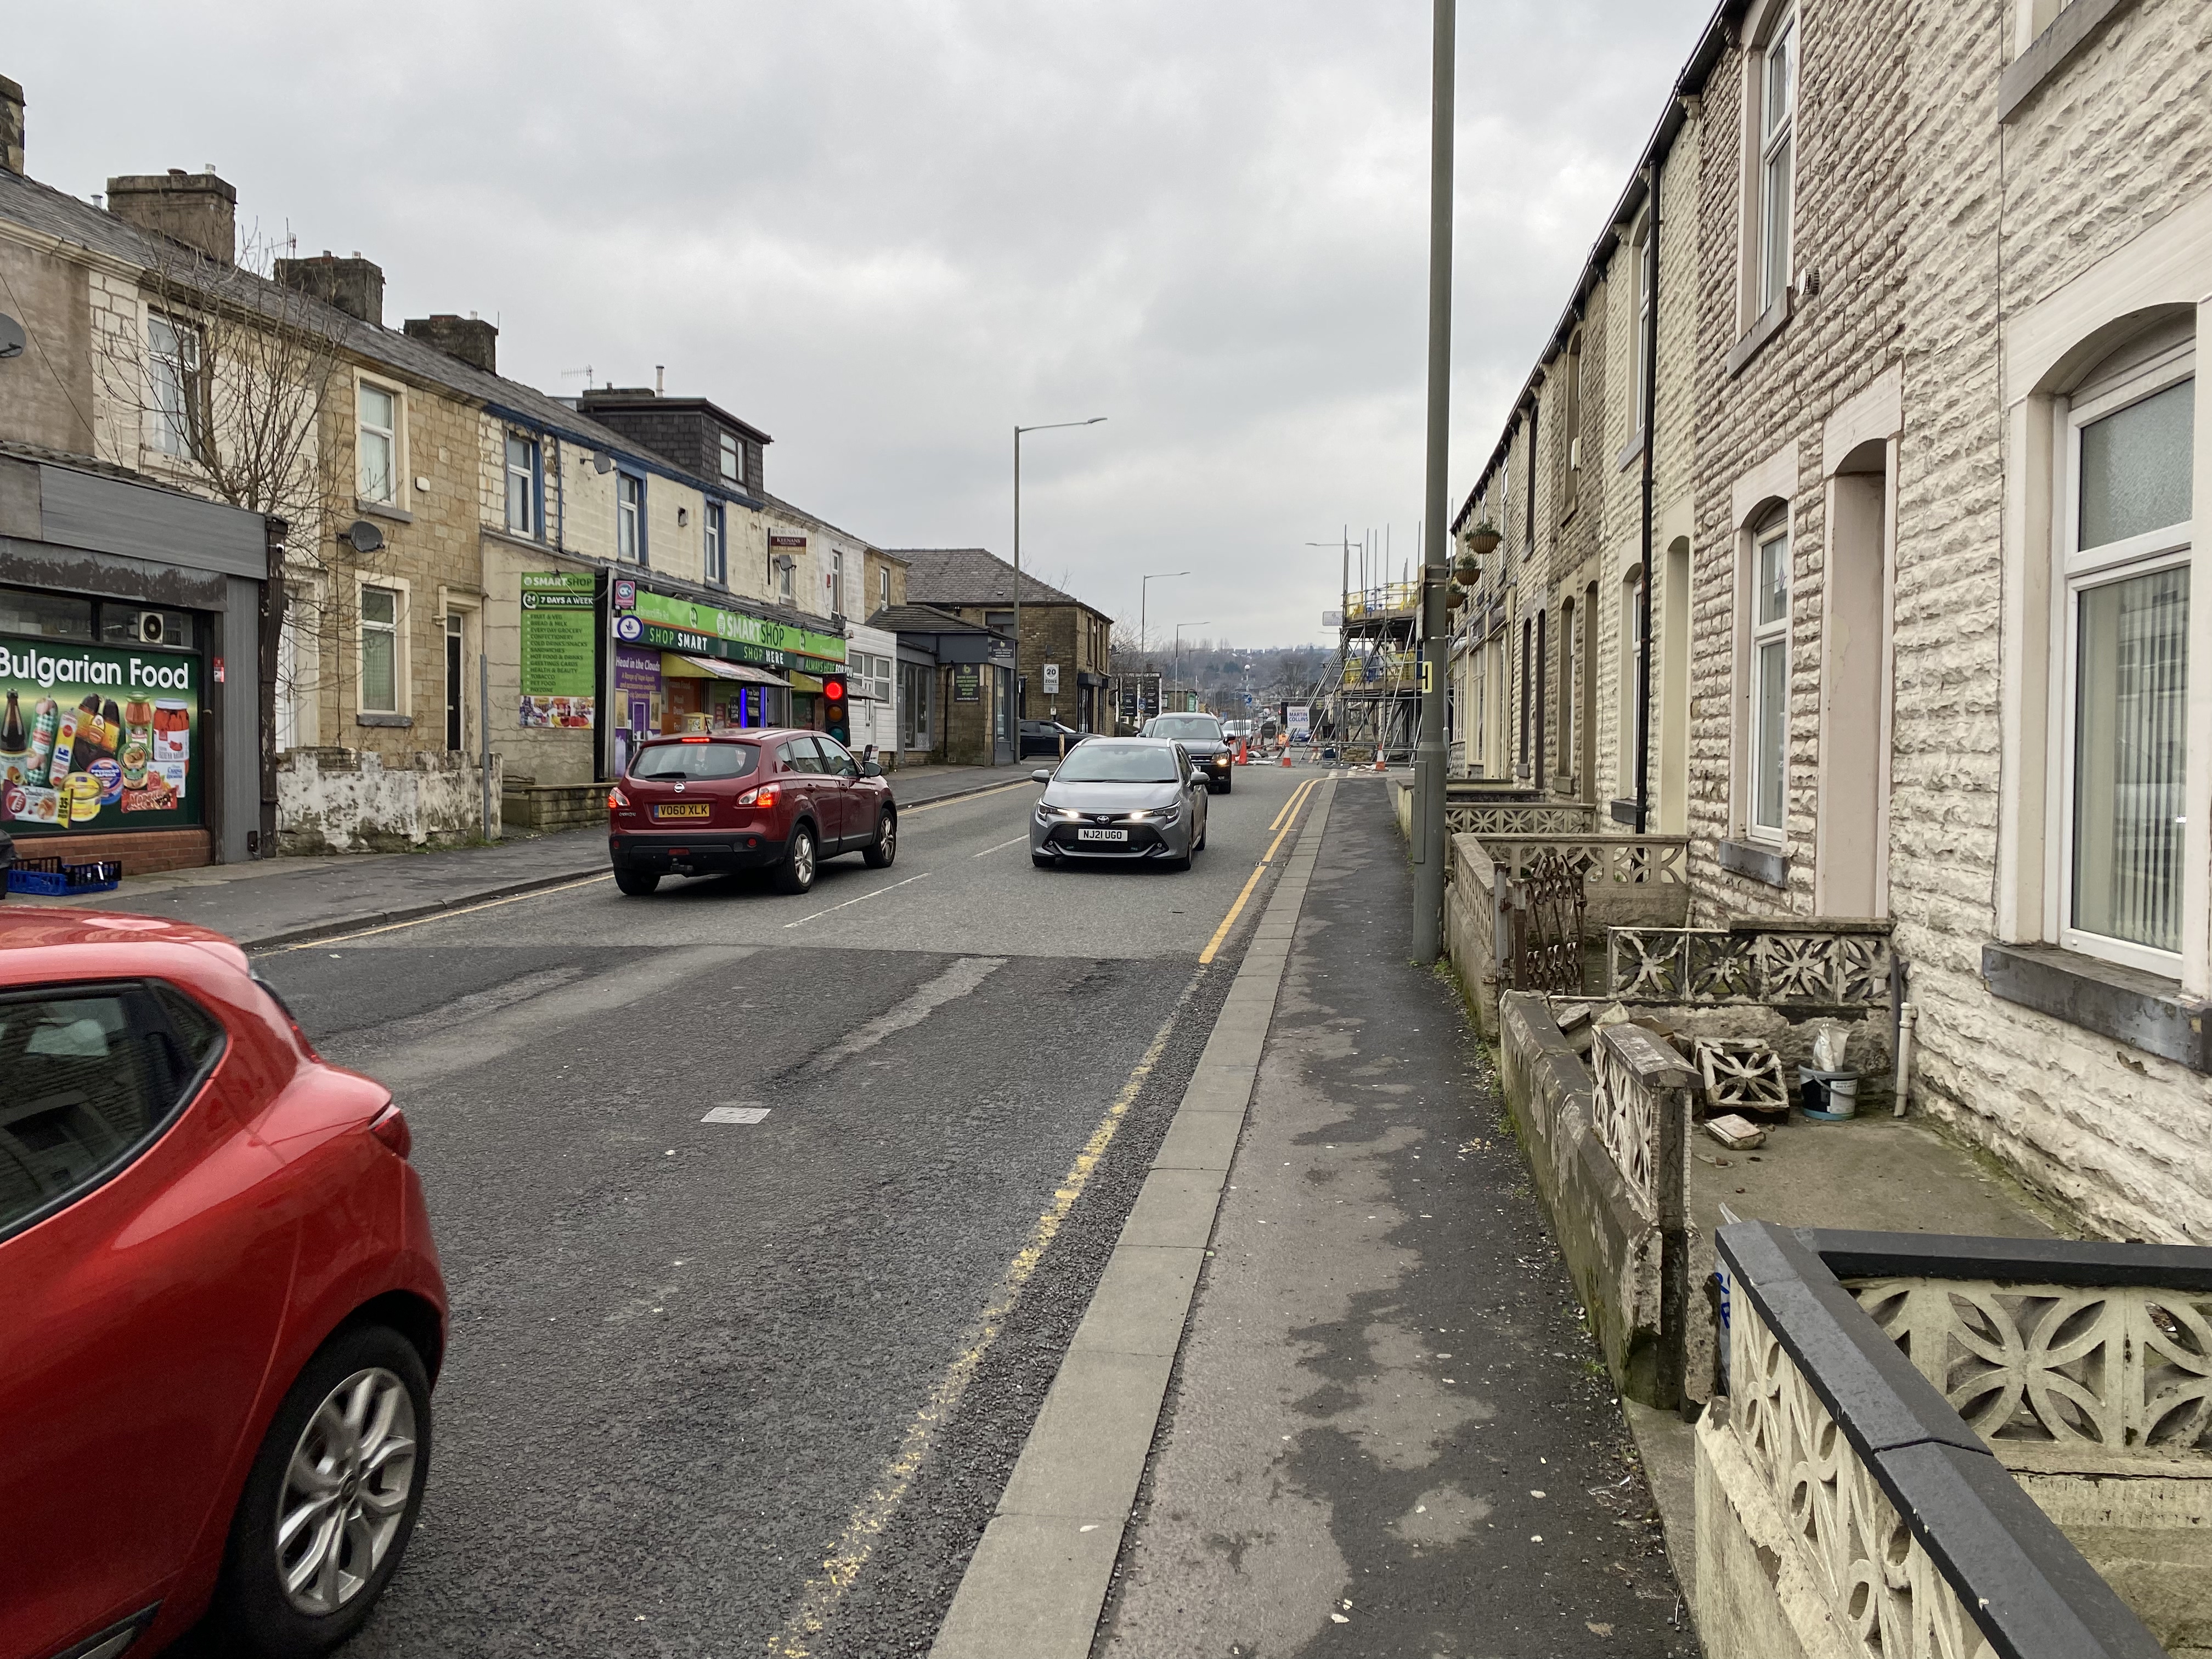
{"x":1285,"y":821}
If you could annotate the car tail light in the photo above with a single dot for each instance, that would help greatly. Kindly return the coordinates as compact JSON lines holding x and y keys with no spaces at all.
{"x":616,"y":800}
{"x":764,"y":796}
{"x":390,"y":1127}
{"x":700,"y":738}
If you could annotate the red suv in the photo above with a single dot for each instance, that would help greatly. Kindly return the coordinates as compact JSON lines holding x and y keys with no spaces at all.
{"x":224,"y":1307}
{"x":714,"y":802}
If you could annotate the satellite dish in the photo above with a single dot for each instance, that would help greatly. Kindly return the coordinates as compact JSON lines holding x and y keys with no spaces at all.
{"x":365,"y":537}
{"x":11,"y":337}
{"x":603,"y":462}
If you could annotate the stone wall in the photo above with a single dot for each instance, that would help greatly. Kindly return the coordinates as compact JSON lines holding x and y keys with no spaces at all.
{"x":351,"y":800}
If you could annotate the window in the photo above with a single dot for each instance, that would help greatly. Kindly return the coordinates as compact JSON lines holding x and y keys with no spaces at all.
{"x":174,"y":368}
{"x":380,"y":650}
{"x":785,"y":566}
{"x":1572,"y":438}
{"x":378,"y":443}
{"x":1640,"y":380}
{"x":2126,"y":543}
{"x":630,"y":517}
{"x":523,"y":516}
{"x":836,"y":583}
{"x":883,"y":587}
{"x":1770,"y":679}
{"x":717,"y":559}
{"x":45,"y":616}
{"x":1777,"y":112}
{"x":915,"y":680}
{"x":733,"y":459}
{"x":95,"y":1075}
{"x":872,"y":676}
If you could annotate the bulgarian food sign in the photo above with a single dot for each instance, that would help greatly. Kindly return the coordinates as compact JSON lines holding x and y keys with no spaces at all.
{"x":93,"y":738}
{"x":560,"y":661}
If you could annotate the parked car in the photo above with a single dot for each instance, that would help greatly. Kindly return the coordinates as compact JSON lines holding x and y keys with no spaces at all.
{"x":224,"y":1310}
{"x":1049,"y":738}
{"x":1121,"y":800}
{"x":710,"y":804}
{"x":1201,"y":735}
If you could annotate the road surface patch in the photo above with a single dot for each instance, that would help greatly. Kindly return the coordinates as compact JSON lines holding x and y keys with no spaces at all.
{"x":735,"y":1113}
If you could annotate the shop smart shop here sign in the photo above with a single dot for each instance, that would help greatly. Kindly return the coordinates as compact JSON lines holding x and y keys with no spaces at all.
{"x":706,"y":630}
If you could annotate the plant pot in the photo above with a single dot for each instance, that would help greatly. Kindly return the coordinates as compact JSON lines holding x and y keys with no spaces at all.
{"x":1483,"y":541}
{"x":1467,"y":570}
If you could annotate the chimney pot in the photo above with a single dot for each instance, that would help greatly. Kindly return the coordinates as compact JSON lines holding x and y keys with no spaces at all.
{"x":11,"y":126}
{"x":198,"y":211}
{"x":354,"y":286}
{"x":470,"y":339}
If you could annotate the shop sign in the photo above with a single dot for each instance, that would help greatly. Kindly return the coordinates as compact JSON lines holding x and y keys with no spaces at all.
{"x":710,"y":631}
{"x":1002,"y":653}
{"x":967,"y":683}
{"x":93,"y":739}
{"x":636,"y":670}
{"x":559,"y":656}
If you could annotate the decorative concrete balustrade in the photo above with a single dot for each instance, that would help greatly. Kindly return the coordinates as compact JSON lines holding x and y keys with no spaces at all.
{"x":1844,"y":1505}
{"x":1519,"y":817}
{"x":1783,"y":961}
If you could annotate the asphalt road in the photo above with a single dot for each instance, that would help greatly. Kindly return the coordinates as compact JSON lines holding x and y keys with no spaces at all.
{"x":692,"y":1362}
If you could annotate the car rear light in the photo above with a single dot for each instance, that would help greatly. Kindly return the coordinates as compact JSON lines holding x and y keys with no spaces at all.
{"x":764,"y":796}
{"x":390,"y":1127}
{"x":616,"y":800}
{"x":702,"y":738}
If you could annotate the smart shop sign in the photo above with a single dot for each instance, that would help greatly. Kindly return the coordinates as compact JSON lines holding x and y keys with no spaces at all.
{"x":26,"y":664}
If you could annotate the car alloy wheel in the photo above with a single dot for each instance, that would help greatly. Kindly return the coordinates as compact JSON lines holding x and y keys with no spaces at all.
{"x":796,"y":874}
{"x":879,"y":856}
{"x":345,"y":1490}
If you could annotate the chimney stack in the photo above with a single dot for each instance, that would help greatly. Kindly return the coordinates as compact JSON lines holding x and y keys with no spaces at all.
{"x":471,"y":339}
{"x":198,"y":210}
{"x":11,"y":126}
{"x":354,"y":286}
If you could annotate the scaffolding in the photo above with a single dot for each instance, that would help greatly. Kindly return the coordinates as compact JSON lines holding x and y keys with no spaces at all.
{"x":1372,"y":704}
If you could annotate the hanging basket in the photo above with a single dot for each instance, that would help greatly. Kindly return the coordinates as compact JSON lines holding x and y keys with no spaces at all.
{"x":1455,"y":597}
{"x":1484,"y":538}
{"x":1466,"y":570}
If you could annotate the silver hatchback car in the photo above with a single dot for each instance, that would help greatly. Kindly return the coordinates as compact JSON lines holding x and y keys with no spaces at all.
{"x":1120,"y":801}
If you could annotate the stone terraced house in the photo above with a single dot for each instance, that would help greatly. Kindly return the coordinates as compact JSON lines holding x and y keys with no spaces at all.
{"x":1915,"y":531}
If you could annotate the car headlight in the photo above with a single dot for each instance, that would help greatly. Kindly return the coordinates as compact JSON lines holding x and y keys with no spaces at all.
{"x":1055,"y":814}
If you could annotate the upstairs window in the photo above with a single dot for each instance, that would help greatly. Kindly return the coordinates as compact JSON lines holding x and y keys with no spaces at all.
{"x":2125,"y":566}
{"x":836,"y":583}
{"x":717,"y":559}
{"x":630,"y":517}
{"x":733,"y":459}
{"x":378,"y":442}
{"x":173,"y":371}
{"x":883,"y":585}
{"x":1778,"y":126}
{"x":522,"y":485}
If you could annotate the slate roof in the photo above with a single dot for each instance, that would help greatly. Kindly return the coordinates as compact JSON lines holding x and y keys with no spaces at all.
{"x":911,"y":618}
{"x":971,"y":575}
{"x":41,"y":208}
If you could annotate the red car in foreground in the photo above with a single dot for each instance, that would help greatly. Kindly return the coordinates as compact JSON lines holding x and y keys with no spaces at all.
{"x":222,"y":1307}
{"x":711,"y":804}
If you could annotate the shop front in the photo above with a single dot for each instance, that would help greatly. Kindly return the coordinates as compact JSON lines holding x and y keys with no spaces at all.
{"x":131,"y":688}
{"x":680,"y":665}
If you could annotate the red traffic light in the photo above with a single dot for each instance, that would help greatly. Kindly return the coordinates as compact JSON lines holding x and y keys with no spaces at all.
{"x":834,"y":689}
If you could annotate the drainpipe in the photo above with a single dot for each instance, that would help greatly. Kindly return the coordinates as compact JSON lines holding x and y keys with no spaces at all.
{"x":1908,"y":1017}
{"x":1651,"y":443}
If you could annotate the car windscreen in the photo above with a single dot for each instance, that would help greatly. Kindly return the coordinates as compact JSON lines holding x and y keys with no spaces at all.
{"x":1188,"y":728}
{"x":1117,"y":763}
{"x":663,"y":762}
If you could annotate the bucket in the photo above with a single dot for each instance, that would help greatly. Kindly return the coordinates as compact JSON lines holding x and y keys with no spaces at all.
{"x":1827,"y":1097}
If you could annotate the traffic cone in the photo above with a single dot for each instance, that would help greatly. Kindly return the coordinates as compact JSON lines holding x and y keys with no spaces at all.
{"x":1379,"y":765}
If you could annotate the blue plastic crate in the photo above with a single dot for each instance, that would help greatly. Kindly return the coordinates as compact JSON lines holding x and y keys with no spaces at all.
{"x":51,"y":878}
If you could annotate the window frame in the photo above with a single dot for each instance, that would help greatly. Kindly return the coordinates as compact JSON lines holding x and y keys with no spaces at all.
{"x":715,"y":543}
{"x":2074,"y":573}
{"x":630,"y":514}
{"x":182,"y":359}
{"x":398,"y":587}
{"x":394,"y":437}
{"x":532,"y":475}
{"x":1771,"y":136}
{"x":1758,"y":636}
{"x":730,"y":458}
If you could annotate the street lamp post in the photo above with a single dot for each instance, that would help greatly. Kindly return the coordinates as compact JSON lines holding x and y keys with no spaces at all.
{"x":1429,"y":753}
{"x":1144,"y":603}
{"x":1050,"y":426}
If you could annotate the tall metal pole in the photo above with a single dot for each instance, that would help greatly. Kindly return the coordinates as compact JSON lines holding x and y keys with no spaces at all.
{"x":1017,"y":594}
{"x":1429,"y":754}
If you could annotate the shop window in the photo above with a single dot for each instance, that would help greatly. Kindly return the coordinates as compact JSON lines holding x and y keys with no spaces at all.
{"x":1768,"y":735}
{"x":2124,"y":556}
{"x":524,"y":487}
{"x":123,"y":623}
{"x":378,"y":442}
{"x":45,"y":616}
{"x":716,"y":558}
{"x":630,"y":517}
{"x":380,"y":650}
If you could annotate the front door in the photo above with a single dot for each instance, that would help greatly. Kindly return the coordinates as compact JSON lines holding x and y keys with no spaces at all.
{"x":454,"y":692}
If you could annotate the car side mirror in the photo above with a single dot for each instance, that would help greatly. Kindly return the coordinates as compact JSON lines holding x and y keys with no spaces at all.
{"x":870,"y":769}
{"x":1040,"y":777}
{"x":1197,"y":776}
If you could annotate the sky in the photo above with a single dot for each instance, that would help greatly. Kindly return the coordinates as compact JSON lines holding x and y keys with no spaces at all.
{"x":887,"y":233}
